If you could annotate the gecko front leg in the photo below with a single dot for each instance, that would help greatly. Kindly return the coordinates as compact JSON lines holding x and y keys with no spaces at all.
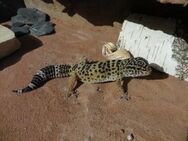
{"x":71,"y":84}
{"x":124,"y":95}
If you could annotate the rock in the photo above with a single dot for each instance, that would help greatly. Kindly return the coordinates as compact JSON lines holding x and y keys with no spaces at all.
{"x":8,"y":42}
{"x":53,"y":8}
{"x":83,"y":10}
{"x":31,"y":20}
{"x":20,"y":30}
{"x":32,"y":15}
{"x":157,"y":44}
{"x":17,"y":20}
{"x":28,"y":16}
{"x":156,"y":107}
{"x":43,"y":28}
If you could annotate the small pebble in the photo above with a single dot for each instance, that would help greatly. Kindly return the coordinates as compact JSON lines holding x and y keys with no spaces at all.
{"x":130,"y":137}
{"x":99,"y":90}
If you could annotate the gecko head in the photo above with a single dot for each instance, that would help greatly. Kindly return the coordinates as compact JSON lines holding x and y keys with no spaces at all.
{"x":138,"y":67}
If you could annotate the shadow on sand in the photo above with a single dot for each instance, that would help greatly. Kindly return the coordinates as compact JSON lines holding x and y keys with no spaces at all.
{"x":155,"y":75}
{"x":28,"y":43}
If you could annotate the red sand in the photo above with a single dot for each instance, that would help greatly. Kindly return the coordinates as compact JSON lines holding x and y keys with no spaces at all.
{"x":158,"y":110}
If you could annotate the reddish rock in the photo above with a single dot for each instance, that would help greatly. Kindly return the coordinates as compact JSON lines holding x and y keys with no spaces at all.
{"x":157,"y":111}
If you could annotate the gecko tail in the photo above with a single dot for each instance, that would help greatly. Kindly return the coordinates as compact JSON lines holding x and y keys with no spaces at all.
{"x":29,"y":88}
{"x":45,"y":74}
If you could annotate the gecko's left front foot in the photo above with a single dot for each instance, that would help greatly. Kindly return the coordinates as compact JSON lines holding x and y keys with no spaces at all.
{"x":69,"y":94}
{"x":125,"y":96}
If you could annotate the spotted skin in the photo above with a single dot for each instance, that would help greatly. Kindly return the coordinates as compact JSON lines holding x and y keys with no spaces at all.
{"x":91,"y":72}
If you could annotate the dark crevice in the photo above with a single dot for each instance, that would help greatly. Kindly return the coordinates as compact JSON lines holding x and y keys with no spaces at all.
{"x":8,"y":8}
{"x":106,"y":12}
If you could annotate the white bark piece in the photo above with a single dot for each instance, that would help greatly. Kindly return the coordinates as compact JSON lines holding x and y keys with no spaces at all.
{"x":159,"y":47}
{"x":8,"y":42}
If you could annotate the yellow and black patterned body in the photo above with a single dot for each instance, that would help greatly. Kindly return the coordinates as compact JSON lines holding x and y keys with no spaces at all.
{"x":90,"y":72}
{"x":111,"y":70}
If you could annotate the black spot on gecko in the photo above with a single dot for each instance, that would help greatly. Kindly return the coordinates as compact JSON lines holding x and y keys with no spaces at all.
{"x":102,"y":76}
{"x":100,"y":64}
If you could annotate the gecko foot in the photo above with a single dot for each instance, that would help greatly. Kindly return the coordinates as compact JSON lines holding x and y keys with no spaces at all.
{"x":125,"y":96}
{"x":69,"y":94}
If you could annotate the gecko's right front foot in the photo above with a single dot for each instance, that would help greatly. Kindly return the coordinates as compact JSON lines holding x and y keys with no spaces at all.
{"x":68,"y":94}
{"x":125,"y":96}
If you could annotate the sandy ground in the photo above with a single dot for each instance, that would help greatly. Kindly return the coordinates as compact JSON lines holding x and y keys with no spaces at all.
{"x":158,"y":110}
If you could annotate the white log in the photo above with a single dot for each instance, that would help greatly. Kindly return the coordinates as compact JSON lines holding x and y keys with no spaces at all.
{"x":160,"y":48}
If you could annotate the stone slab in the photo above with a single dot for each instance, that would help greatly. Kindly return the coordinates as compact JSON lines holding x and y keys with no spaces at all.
{"x":8,"y":42}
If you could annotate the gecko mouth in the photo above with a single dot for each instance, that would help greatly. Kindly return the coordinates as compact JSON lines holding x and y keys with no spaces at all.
{"x":148,"y":70}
